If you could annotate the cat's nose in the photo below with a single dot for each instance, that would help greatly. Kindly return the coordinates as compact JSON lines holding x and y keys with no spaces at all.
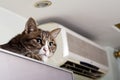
{"x":44,"y":49}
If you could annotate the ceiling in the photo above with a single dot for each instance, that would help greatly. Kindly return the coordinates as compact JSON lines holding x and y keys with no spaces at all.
{"x":94,"y":19}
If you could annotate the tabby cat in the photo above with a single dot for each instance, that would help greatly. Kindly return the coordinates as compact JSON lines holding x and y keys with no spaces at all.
{"x":33,"y":42}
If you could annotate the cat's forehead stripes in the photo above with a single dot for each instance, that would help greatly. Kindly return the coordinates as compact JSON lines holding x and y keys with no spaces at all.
{"x":32,"y":35}
{"x":45,"y":34}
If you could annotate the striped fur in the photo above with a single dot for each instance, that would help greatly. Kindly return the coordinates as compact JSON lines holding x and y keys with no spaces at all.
{"x":33,"y":42}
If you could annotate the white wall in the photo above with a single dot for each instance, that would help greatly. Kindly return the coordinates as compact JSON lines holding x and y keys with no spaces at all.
{"x":113,"y":73}
{"x":10,"y":25}
{"x":118,"y":61}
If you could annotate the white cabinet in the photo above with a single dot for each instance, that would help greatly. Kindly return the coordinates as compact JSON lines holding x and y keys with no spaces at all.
{"x":17,"y":67}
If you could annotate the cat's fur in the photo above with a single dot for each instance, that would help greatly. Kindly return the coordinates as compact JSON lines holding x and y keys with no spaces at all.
{"x":33,"y":42}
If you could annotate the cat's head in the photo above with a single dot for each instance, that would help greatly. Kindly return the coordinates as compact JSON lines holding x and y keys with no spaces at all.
{"x":39,"y":41}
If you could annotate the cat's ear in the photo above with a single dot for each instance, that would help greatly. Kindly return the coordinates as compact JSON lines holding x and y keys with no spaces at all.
{"x":30,"y":26}
{"x":55,"y":32}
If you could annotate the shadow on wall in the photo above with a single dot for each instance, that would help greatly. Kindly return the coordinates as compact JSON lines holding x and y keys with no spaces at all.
{"x":68,"y":25}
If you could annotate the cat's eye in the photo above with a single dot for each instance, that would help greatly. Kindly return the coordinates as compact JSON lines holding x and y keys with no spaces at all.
{"x":39,"y":40}
{"x":50,"y":43}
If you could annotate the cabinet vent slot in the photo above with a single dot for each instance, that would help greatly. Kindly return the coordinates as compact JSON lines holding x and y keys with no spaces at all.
{"x":83,"y":69}
{"x":89,"y":65}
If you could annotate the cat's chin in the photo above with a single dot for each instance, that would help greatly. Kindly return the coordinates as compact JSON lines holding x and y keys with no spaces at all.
{"x":44,"y":58}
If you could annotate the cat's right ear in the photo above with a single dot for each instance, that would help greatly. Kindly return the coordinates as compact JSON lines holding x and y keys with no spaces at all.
{"x":55,"y":32}
{"x":30,"y":26}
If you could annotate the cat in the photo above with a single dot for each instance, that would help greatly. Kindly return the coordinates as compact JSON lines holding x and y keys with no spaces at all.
{"x":34,"y":42}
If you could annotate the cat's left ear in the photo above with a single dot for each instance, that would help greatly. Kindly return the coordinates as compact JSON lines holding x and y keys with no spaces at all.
{"x":55,"y":32}
{"x":30,"y":26}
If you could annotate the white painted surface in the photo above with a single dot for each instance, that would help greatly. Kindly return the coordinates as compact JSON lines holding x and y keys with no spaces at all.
{"x":16,"y":67}
{"x":113,"y":73}
{"x":118,"y":61}
{"x":11,"y":24}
